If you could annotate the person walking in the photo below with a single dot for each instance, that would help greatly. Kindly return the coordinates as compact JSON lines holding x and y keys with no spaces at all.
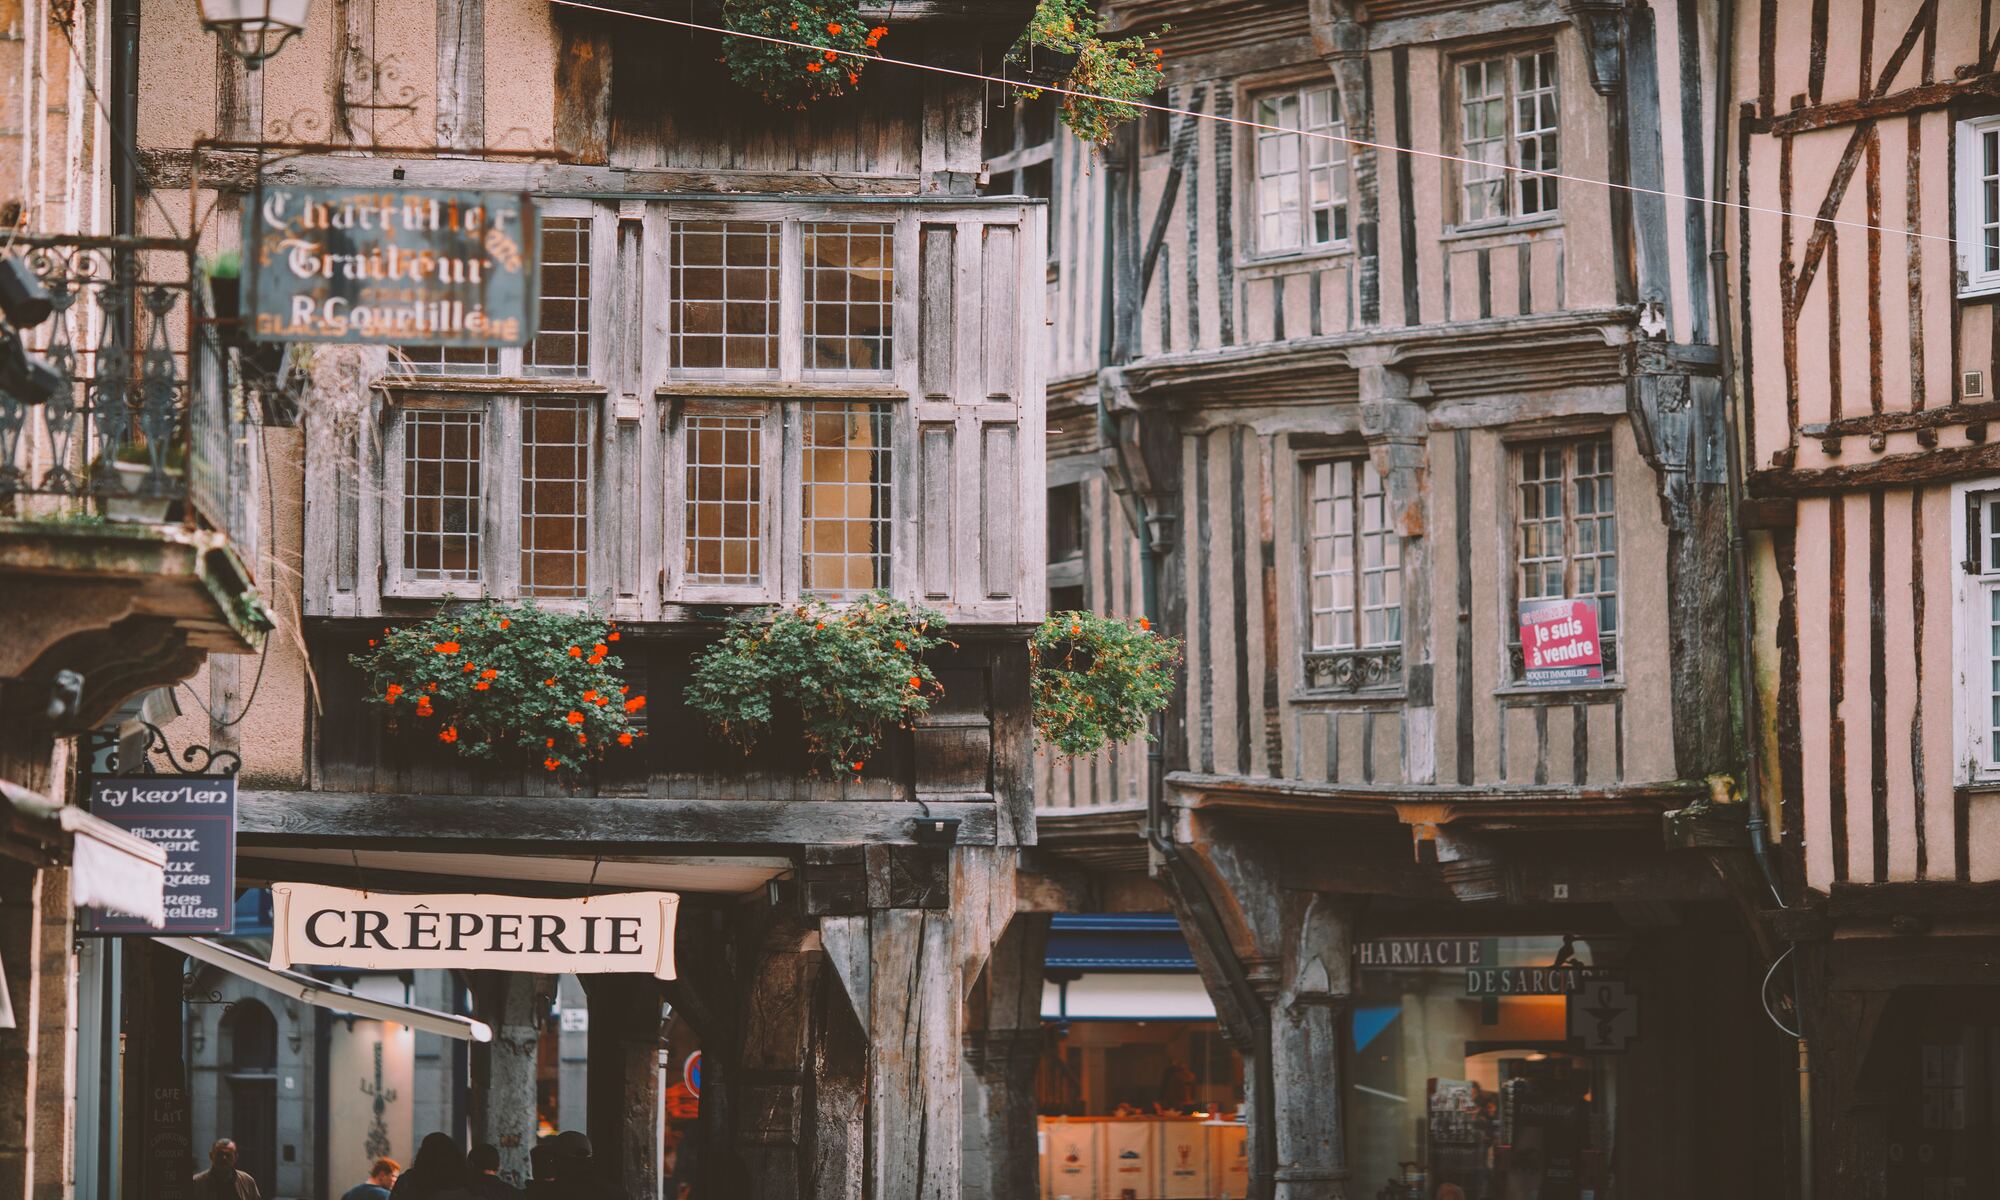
{"x":437,"y":1174}
{"x":222,"y":1181}
{"x":381,"y":1179}
{"x":482,"y":1168}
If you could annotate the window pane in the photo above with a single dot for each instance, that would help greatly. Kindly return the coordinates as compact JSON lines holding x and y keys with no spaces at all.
{"x":555,"y":498}
{"x":449,"y":360}
{"x":441,"y":494}
{"x":1326,"y":184}
{"x":1535,"y":130}
{"x":1330,"y":554}
{"x":562,"y":334}
{"x":725,"y":499}
{"x":846,"y":498}
{"x":850,"y":292}
{"x":1278,"y":221}
{"x":725,"y":302}
{"x":1381,"y":564}
{"x":1482,"y":87}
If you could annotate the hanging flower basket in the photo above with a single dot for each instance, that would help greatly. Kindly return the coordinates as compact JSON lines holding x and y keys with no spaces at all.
{"x":1119,"y":71}
{"x":506,"y":683}
{"x":845,"y":671}
{"x":1098,"y":679}
{"x":830,"y":63}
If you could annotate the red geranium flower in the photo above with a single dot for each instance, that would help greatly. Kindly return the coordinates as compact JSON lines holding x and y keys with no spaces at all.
{"x":448,"y":734}
{"x":635,"y":704}
{"x":551,"y":763}
{"x":574,"y":718}
{"x":446,"y":647}
{"x":625,"y":739}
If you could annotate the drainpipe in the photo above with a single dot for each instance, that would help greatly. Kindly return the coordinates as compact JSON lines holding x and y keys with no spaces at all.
{"x":1115,"y":347}
{"x":1757,"y":822}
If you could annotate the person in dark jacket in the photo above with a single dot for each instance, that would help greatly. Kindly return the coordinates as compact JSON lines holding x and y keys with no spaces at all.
{"x":437,"y":1174}
{"x":579,"y":1176}
{"x":482,"y":1169}
{"x":542,"y":1165}
{"x":222,"y":1181}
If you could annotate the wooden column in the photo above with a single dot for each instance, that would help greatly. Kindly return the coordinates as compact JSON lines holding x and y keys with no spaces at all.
{"x":55,"y":1068}
{"x":1003,"y":1045}
{"x":624,"y":1077}
{"x":906,"y":963}
{"x":503,"y":1070}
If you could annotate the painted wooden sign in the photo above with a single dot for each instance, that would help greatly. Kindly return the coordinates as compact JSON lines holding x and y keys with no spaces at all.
{"x":339,"y":927}
{"x":192,"y":818}
{"x":394,"y":266}
{"x":1529,"y":981}
{"x":1559,"y":642}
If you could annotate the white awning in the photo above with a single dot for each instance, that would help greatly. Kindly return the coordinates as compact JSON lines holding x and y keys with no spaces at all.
{"x":111,"y":870}
{"x":1128,"y":996}
{"x":326,"y":995}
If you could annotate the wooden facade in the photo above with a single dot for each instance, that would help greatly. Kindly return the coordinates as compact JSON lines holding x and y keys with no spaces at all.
{"x":872,"y":399}
{"x":1274,"y":388}
{"x":1866,"y":362}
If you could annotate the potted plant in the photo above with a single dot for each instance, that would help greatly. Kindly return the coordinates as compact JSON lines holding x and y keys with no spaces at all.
{"x":130,"y":468}
{"x":1097,"y":679}
{"x":816,"y":49}
{"x":845,"y":671}
{"x":1101,"y":76}
{"x":510,"y":683}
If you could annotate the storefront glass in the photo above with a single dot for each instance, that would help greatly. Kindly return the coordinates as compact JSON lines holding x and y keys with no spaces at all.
{"x":1464,"y":1082}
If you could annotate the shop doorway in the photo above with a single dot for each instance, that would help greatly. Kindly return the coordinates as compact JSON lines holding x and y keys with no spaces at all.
{"x":250,"y":1034}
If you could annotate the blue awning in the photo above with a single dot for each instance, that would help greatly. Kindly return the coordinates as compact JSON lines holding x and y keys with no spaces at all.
{"x":1117,"y":942}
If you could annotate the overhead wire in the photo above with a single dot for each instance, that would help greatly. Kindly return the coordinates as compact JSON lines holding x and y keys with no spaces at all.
{"x":1246,"y":123}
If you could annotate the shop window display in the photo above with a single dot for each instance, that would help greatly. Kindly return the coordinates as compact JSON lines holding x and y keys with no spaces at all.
{"x":1464,"y":1083}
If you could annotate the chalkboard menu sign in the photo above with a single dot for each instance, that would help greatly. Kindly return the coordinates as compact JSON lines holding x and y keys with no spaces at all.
{"x":192,"y":818}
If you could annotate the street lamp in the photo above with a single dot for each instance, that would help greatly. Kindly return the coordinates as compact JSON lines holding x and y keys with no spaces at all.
{"x":254,"y":30}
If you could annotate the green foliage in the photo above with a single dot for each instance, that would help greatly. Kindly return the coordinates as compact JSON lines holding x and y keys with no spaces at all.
{"x":846,"y":670}
{"x":792,"y":76}
{"x":1122,"y":71}
{"x":1097,"y":680}
{"x":506,"y":682}
{"x":226,"y":265}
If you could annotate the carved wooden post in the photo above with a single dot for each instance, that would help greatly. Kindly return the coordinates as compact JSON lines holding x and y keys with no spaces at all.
{"x":1396,"y":424}
{"x":1003,"y":1044}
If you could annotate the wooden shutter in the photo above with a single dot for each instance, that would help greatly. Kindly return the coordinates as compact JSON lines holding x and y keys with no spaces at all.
{"x":977,"y":524}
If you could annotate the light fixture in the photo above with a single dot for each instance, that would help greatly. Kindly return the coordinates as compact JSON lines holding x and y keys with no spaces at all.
{"x":254,"y":30}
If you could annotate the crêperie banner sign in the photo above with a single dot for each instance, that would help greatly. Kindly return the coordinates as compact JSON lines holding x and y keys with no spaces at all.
{"x":390,"y":266}
{"x":317,"y":925}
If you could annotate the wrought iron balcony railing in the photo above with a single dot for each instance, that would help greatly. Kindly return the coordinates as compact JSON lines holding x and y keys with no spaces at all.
{"x":148,"y":415}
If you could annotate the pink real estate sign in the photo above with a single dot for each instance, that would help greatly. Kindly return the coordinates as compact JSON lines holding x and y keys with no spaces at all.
{"x":1559,"y":642}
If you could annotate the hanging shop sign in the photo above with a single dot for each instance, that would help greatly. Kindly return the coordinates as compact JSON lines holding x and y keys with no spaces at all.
{"x":340,"y":927}
{"x":1529,"y":981}
{"x":390,"y":266}
{"x":1559,"y":642}
{"x":193,"y":819}
{"x":1604,"y":1015}
{"x":1419,"y":952}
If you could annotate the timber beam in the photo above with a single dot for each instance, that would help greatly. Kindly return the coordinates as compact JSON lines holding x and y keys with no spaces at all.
{"x":586,"y":824}
{"x":1494,"y":807}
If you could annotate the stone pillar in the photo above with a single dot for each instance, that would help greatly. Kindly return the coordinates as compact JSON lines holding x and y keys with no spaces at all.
{"x":20,"y":948}
{"x":1314,"y":986}
{"x":624,"y":1078}
{"x":1003,"y":1049}
{"x":503,"y":1070}
{"x":55,"y":1069}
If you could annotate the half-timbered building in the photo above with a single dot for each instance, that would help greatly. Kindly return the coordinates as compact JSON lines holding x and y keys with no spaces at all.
{"x":779,"y":355}
{"x":1866,"y":361}
{"x":1338,"y":386}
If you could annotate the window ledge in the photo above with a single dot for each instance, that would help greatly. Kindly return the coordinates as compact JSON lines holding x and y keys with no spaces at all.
{"x":1980,"y":290}
{"x":494,"y":385}
{"x":1580,"y":692}
{"x":1359,"y":698}
{"x":1500,"y":229}
{"x":774,"y":389}
{"x":1265,"y":264}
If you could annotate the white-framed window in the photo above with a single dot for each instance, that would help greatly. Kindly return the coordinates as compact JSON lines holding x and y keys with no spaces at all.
{"x":1978,"y":167}
{"x":1976,"y":526}
{"x":1566,"y":532}
{"x":489,"y":495}
{"x":1507,"y":118}
{"x":1301,"y":170}
{"x":561,"y":346}
{"x":1354,"y":591}
{"x":783,"y":499}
